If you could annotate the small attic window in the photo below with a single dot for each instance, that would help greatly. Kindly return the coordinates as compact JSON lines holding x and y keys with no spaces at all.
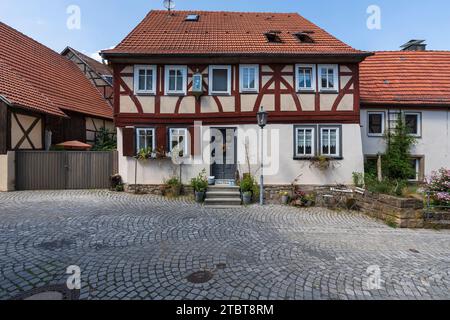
{"x":304,"y":37}
{"x":273,"y":37}
{"x":192,"y":17}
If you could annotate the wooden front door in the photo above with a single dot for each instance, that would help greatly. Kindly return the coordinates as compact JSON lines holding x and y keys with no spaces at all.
{"x":223,"y":153}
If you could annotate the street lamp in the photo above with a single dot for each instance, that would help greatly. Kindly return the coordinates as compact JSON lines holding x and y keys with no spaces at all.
{"x":262,"y":122}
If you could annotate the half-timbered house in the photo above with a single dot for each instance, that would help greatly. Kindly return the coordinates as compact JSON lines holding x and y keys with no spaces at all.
{"x":179,"y":69}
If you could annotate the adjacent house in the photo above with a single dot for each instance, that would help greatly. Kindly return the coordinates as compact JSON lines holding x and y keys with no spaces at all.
{"x":101,"y":77}
{"x":45,"y":99}
{"x":220,"y":68}
{"x":100,"y":74}
{"x":413,"y":84}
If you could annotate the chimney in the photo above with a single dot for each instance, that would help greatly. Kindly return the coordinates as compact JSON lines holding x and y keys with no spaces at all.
{"x":414,"y":45}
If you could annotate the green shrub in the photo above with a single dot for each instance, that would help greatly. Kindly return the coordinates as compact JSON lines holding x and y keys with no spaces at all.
{"x":249,"y":184}
{"x":200,"y":183}
{"x":396,"y":161}
{"x":105,"y":140}
{"x":386,"y":186}
{"x":358,"y":179}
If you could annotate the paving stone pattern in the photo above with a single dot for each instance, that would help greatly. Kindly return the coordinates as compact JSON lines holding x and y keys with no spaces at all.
{"x":146,"y":247}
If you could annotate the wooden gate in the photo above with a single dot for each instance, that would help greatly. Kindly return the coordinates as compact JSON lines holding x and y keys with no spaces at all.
{"x":57,"y":170}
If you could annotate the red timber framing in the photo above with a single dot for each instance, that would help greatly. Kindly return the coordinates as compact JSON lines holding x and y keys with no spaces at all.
{"x":277,"y":85}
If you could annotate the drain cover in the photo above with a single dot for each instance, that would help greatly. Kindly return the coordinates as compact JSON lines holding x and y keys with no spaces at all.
{"x":200,"y":277}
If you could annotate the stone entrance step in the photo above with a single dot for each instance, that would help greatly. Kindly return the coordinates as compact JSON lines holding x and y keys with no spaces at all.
{"x":223,"y":197}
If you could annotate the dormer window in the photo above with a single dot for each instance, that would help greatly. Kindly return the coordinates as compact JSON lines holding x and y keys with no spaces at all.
{"x":273,"y":37}
{"x":304,"y":37}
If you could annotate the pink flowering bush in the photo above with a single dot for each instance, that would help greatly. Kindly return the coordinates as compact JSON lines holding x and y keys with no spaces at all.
{"x":439,"y":186}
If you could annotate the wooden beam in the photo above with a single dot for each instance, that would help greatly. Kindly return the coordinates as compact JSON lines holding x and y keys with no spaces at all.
{"x":4,"y":127}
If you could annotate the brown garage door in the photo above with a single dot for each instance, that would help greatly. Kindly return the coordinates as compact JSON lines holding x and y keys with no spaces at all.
{"x":56,"y":170}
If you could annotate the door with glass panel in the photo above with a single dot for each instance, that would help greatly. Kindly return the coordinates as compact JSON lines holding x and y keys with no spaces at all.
{"x":223,"y":153}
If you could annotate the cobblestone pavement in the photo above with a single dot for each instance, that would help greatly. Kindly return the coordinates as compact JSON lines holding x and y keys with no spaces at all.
{"x":145,"y":247}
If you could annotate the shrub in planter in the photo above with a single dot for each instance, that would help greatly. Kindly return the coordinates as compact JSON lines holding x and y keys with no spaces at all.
{"x":174,"y":187}
{"x":248,"y":185}
{"x":304,"y":199}
{"x":200,"y":184}
{"x":120,"y":188}
{"x":247,"y":197}
{"x":284,"y":197}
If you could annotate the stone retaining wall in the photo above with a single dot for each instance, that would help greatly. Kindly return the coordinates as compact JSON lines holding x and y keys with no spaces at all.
{"x":401,"y":212}
{"x":157,"y":189}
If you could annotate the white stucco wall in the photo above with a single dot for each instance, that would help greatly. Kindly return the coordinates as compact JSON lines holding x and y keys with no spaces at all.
{"x":7,"y":171}
{"x":282,"y":169}
{"x":434,"y":144}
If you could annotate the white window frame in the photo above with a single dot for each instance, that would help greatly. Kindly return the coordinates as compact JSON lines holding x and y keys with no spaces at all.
{"x":313,"y":87}
{"x":138,"y":130}
{"x":383,"y":123}
{"x":241,"y":76}
{"x":419,"y":122}
{"x":210,"y":79}
{"x":167,"y":70}
{"x":313,"y":142}
{"x":335,"y":68}
{"x":186,"y":138}
{"x":137,"y":68}
{"x":417,"y":160}
{"x":338,"y":142}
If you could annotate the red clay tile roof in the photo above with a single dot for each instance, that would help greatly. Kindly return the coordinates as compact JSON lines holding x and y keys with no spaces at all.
{"x":227,"y":33}
{"x":406,"y":77}
{"x":35,"y":77}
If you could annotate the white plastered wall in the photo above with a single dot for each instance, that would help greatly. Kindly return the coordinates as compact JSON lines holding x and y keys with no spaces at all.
{"x":7,"y":171}
{"x":434,"y":144}
{"x":281,"y":168}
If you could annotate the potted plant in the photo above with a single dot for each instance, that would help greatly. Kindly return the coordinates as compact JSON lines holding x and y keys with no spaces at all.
{"x":247,"y":188}
{"x":310,"y":200}
{"x":284,"y":197}
{"x":247,"y":197}
{"x":200,"y":184}
{"x":174,"y":186}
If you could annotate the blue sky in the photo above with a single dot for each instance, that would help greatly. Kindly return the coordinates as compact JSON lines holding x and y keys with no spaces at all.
{"x":105,"y":22}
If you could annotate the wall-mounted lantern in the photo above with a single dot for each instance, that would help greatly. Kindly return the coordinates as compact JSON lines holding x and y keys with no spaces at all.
{"x":197,"y":84}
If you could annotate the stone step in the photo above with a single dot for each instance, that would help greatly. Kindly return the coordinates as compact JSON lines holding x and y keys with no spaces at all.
{"x":223,"y":188}
{"x":223,"y":194}
{"x":223,"y":206}
{"x":223,"y":202}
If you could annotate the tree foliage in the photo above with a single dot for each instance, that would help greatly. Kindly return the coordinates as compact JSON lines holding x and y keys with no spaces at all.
{"x":105,"y":140}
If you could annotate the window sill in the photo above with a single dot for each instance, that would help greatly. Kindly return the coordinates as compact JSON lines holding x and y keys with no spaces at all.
{"x":220,"y":94}
{"x":175,"y":94}
{"x":323,"y":91}
{"x":312,"y":158}
{"x":307,"y":91}
{"x":145,"y":93}
{"x":249,"y":92}
{"x":375,"y":135}
{"x":303,"y":158}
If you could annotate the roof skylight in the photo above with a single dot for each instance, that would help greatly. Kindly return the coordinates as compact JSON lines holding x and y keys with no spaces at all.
{"x":192,"y":17}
